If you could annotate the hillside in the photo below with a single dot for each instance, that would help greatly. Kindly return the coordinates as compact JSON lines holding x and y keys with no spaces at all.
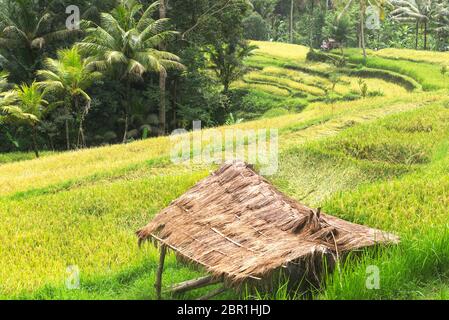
{"x":379,"y":159}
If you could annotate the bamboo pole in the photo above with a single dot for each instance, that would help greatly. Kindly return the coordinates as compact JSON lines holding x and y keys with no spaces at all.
{"x":160,"y":270}
{"x":195,"y":284}
{"x":213,"y":293}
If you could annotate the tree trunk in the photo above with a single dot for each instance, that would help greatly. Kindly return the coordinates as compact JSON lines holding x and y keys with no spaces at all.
{"x":78,"y":140}
{"x":83,"y":114}
{"x":291,"y":20}
{"x":36,"y":151}
{"x":362,"y":28}
{"x":425,"y":35}
{"x":125,"y":135}
{"x":345,"y":10}
{"x":67,"y":133}
{"x":226,"y":86}
{"x":81,"y":137}
{"x":417,"y":35}
{"x":162,"y":79}
{"x":50,"y":140}
{"x":312,"y":31}
{"x":175,"y":101}
{"x":125,"y":108}
{"x":81,"y":133}
{"x":162,"y":102}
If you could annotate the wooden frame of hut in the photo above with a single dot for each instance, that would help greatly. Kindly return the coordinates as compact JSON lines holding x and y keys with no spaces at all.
{"x":239,"y":227}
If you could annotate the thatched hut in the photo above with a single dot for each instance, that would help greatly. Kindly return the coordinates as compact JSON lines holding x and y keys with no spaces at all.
{"x":239,"y":227}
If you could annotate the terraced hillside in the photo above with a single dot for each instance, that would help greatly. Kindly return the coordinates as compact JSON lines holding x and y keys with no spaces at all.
{"x":282,"y":81}
{"x":380,"y":160}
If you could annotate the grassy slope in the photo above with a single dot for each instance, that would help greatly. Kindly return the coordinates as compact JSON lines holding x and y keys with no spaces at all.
{"x":283,"y":80}
{"x":440,"y":58}
{"x":369,"y":161}
{"x":426,"y":73}
{"x":20,"y":156}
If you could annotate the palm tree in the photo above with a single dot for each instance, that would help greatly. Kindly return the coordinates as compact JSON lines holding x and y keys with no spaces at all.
{"x":442,"y":17}
{"x":227,"y":61}
{"x":70,"y":75}
{"x":3,"y":80}
{"x":24,"y":34}
{"x":162,"y":77}
{"x":24,"y":104}
{"x":127,"y":42}
{"x":381,"y":4}
{"x":421,"y":12}
{"x":292,"y":11}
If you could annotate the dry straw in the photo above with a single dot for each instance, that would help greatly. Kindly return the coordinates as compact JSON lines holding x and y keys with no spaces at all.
{"x":237,"y":225}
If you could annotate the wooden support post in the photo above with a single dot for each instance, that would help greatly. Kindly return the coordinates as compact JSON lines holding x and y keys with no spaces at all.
{"x":213,"y":293}
{"x":194,"y":284}
{"x":160,"y":270}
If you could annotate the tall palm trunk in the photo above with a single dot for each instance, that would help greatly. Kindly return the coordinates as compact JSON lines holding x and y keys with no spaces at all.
{"x":81,"y":137}
{"x":78,"y":140}
{"x":417,"y":35}
{"x":81,"y":141}
{"x":174,"y":100}
{"x":162,"y":79}
{"x":126,"y":109}
{"x":162,"y":102}
{"x":67,"y":130}
{"x":362,"y":28}
{"x":425,"y":35}
{"x":311,"y":30}
{"x":36,"y":150}
{"x":292,"y":3}
{"x":345,"y":10}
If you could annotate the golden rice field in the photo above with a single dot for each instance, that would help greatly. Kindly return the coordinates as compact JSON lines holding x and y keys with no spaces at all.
{"x":441,"y":58}
{"x":381,"y":160}
{"x":282,"y":50}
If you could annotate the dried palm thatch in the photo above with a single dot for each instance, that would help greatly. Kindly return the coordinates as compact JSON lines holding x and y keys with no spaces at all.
{"x":238,"y":226}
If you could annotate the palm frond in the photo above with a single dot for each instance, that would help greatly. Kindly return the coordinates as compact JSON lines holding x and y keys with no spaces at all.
{"x":146,"y":16}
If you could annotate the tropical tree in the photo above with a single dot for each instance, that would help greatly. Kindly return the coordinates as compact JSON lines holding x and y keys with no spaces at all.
{"x":3,"y":80}
{"x":162,"y":77}
{"x":127,"y":42}
{"x":24,"y":33}
{"x":70,"y":75}
{"x":420,"y":12}
{"x":341,"y":32}
{"x":24,"y":104}
{"x":380,"y":4}
{"x":442,"y":17}
{"x":227,"y":61}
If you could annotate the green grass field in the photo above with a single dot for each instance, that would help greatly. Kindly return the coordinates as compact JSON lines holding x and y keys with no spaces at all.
{"x":381,"y":161}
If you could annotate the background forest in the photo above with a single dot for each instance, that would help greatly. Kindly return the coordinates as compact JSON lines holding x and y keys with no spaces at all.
{"x":134,"y":69}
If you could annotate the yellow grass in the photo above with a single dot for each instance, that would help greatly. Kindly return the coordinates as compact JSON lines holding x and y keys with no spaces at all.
{"x":386,"y":88}
{"x":292,"y":84}
{"x":294,"y":75}
{"x":262,"y":87}
{"x":283,"y":50}
{"x":112,"y":191}
{"x":73,"y":166}
{"x":441,"y":58}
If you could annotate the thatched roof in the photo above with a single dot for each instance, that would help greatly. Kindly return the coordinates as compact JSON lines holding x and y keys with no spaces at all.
{"x":236,"y":224}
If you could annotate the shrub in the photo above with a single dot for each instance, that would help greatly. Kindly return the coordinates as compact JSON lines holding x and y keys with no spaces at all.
{"x":255,"y":27}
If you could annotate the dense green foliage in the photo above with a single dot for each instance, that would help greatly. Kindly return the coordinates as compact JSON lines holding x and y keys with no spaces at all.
{"x":132,"y":69}
{"x":163,"y":67}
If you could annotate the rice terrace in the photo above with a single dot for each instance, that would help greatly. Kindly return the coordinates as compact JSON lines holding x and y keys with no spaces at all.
{"x":226,"y":149}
